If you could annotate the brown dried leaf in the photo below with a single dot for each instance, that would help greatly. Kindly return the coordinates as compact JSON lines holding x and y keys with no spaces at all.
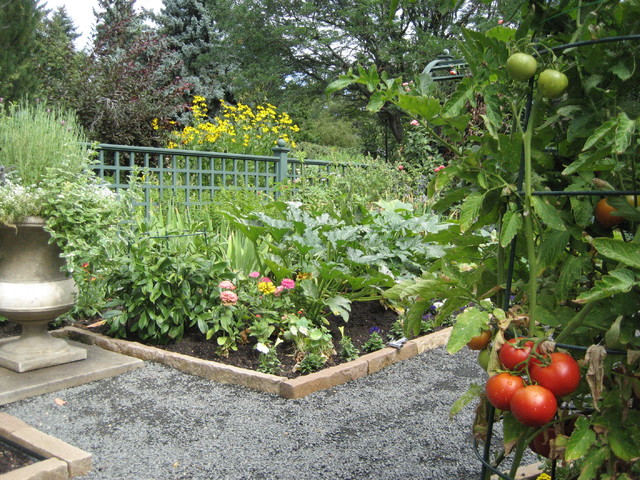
{"x":547,"y":347}
{"x":480,"y":421}
{"x":97,"y":324}
{"x":594,"y":359}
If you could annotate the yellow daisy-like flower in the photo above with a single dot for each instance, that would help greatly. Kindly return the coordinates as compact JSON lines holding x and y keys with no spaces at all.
{"x":543,"y":476}
{"x":304,"y":276}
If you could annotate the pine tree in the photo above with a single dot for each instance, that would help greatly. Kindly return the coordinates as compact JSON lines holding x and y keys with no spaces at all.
{"x":56,"y":61}
{"x":195,"y":42}
{"x":19,"y":20}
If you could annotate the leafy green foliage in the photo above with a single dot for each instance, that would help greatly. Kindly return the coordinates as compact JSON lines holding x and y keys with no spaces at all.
{"x":19,"y":21}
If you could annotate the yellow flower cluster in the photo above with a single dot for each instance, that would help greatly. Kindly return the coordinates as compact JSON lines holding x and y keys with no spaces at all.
{"x":238,"y":129}
{"x":266,"y":288}
{"x":543,"y":476}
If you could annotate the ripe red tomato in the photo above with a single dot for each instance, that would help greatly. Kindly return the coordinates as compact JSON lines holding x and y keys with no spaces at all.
{"x":515,"y":357}
{"x":533,"y":405}
{"x":561,"y":376}
{"x":540,"y":444}
{"x":479,"y":342}
{"x":501,"y":387}
{"x":604,"y":214}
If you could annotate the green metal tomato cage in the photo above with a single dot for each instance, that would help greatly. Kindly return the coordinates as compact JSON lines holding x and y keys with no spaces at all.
{"x":447,"y":63}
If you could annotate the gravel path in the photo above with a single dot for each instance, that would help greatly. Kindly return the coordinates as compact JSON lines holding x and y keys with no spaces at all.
{"x":157,"y":423}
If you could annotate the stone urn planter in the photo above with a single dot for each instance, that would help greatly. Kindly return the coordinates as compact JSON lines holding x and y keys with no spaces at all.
{"x":33,"y":291}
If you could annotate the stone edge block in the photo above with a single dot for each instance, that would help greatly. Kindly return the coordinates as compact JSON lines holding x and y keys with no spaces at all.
{"x":433,"y":340}
{"x":76,"y":462}
{"x":287,"y":388}
{"x":49,"y":469}
{"x":210,"y":370}
{"x":329,"y":377}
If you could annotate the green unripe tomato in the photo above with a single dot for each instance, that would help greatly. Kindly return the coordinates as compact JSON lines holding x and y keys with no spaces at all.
{"x":552,"y":83}
{"x":483,"y":358}
{"x":521,"y":66}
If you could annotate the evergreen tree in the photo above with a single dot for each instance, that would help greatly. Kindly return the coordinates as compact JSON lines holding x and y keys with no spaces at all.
{"x":128,"y":83}
{"x":197,"y":45}
{"x":56,"y":61}
{"x":19,"y":20}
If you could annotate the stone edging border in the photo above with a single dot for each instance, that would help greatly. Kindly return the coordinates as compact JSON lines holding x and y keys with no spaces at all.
{"x":282,"y":386}
{"x":63,"y":461}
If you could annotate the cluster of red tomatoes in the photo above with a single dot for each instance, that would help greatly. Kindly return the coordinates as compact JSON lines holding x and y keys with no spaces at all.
{"x":532,"y":382}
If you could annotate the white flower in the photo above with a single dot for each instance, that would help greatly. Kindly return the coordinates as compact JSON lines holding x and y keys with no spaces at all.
{"x":262,"y":348}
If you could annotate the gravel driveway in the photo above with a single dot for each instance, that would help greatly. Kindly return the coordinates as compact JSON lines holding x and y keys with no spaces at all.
{"x":156,"y":423}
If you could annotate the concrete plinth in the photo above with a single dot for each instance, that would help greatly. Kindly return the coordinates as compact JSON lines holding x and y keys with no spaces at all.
{"x":35,"y":352}
{"x":98,"y":364}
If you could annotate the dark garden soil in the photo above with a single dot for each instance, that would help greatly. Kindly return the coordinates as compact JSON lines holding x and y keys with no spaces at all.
{"x":364,"y":317}
{"x":12,"y":459}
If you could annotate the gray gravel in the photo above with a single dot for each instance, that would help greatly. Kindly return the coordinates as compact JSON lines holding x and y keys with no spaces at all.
{"x":157,"y":423}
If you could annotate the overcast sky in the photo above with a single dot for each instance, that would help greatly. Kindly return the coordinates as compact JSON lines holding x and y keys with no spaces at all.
{"x":81,"y":12}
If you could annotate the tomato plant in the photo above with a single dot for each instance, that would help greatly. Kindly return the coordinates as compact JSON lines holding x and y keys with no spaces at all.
{"x":519,"y":192}
{"x":515,"y":356}
{"x":521,"y":66}
{"x":500,"y":389}
{"x":561,"y":375}
{"x":552,"y":83}
{"x":605,"y":215}
{"x":541,"y":443}
{"x":533,"y":405}
{"x":479,"y":342}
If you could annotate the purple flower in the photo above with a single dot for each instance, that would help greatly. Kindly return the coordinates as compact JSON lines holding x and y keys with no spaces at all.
{"x":374,"y":330}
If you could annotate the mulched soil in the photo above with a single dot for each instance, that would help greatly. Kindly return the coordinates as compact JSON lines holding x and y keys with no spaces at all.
{"x":364,"y":316}
{"x":12,"y":459}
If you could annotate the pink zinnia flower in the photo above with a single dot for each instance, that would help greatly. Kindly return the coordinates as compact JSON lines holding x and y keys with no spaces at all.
{"x":228,"y":298}
{"x":287,"y":283}
{"x":400,"y":167}
{"x":226,"y":285}
{"x":265,"y":280}
{"x":254,"y":274}
{"x":278,"y":291}
{"x":500,"y":22}
{"x":415,"y":122}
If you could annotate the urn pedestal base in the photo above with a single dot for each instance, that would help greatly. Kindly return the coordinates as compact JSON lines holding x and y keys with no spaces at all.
{"x":36,"y":348}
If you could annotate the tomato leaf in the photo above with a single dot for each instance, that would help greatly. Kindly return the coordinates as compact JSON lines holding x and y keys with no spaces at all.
{"x":622,"y":444}
{"x":580,"y":441}
{"x":470,"y":395}
{"x":627,"y":253}
{"x":470,"y":210}
{"x":617,"y":281}
{"x":547,"y":213}
{"x":469,"y":324}
{"x":513,"y":431}
{"x":511,"y":224}
{"x":601,"y":132}
{"x":425,"y":107}
{"x":592,"y":463}
{"x":624,"y":133}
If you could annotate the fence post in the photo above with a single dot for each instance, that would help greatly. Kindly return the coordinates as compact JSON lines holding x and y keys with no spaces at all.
{"x":280,"y":151}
